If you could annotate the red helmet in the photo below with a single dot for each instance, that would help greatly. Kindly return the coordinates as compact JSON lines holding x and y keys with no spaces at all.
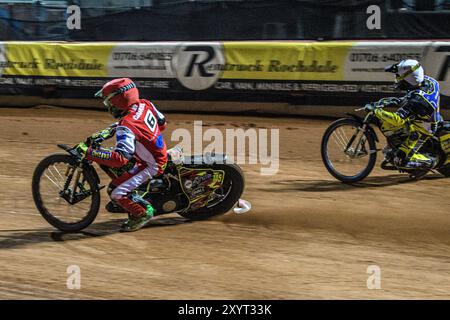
{"x":119,"y":95}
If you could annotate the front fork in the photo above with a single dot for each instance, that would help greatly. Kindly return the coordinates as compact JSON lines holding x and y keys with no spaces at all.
{"x":73,"y":174}
{"x":360,"y":135}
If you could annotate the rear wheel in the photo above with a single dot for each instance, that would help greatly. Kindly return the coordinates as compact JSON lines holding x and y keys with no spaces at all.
{"x":349,"y":154}
{"x":65,"y":195}
{"x":229,"y":194}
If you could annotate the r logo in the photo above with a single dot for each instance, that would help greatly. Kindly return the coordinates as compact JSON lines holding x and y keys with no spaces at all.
{"x":198,"y":67}
{"x":197,"y":62}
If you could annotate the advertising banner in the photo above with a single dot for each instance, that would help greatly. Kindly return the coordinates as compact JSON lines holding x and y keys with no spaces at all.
{"x":366,"y":61}
{"x":141,"y":60}
{"x":285,"y":61}
{"x":214,"y":70}
{"x":55,"y":59}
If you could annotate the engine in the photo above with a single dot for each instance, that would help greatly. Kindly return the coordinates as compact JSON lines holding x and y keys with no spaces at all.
{"x":166,"y":195}
{"x":166,"y":203}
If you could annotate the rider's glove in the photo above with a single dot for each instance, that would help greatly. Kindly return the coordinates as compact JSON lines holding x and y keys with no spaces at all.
{"x":370,"y":107}
{"x":82,"y":148}
{"x":101,"y":135}
{"x":104,"y":134}
{"x":390,"y":102}
{"x":396,"y":101}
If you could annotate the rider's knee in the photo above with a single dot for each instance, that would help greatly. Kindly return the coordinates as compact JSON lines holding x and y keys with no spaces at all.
{"x":117,"y":194}
{"x":110,"y":189}
{"x":112,"y":192}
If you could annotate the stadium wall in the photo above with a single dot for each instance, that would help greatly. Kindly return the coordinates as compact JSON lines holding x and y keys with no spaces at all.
{"x":288,"y":77}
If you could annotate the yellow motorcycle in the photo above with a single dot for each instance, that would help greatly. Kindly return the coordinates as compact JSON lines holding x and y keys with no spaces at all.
{"x":349,"y":150}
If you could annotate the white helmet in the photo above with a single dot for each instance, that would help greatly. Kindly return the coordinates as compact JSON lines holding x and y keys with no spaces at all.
{"x":409,"y":74}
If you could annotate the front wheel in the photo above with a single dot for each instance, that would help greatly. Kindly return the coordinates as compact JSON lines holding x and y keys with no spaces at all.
{"x":348,"y":152}
{"x":66,"y":196}
{"x":232,"y":188}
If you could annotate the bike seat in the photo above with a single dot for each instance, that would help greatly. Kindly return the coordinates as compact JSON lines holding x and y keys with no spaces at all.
{"x":158,"y":183}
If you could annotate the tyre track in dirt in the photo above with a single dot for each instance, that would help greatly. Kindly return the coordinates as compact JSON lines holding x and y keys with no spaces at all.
{"x":307,"y":236}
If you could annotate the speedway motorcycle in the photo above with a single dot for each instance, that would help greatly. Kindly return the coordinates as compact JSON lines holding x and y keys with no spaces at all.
{"x":66,"y":187}
{"x":349,"y":149}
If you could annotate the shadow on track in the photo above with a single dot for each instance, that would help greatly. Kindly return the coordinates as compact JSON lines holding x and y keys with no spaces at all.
{"x":327,"y":185}
{"x":10,"y":239}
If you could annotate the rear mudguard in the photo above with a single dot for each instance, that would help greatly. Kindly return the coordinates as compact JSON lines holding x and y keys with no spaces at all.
{"x":361,"y":121}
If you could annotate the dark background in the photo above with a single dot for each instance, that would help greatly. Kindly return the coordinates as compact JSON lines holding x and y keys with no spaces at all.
{"x":162,"y":20}
{"x":216,"y":20}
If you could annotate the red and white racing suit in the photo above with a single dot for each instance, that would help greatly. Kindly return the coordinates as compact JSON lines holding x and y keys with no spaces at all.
{"x":138,"y":135}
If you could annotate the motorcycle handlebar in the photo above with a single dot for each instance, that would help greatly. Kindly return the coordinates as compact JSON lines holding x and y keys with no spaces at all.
{"x":378,"y":106}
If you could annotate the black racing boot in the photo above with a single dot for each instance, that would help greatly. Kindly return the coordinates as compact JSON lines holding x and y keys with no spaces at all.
{"x":420,"y":168}
{"x":112,"y":207}
{"x":418,"y":174}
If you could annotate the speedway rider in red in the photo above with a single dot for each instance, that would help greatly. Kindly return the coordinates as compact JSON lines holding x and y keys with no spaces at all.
{"x":138,"y":138}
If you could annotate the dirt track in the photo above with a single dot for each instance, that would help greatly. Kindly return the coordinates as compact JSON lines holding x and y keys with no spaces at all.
{"x":308,"y":236}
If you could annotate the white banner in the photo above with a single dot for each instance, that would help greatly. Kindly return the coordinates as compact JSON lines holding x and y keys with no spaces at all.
{"x":188,"y":62}
{"x":366,"y":60}
{"x":143,"y":60}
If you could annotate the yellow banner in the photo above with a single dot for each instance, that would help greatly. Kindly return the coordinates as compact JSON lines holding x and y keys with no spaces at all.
{"x":56,"y":59}
{"x":285,"y":60}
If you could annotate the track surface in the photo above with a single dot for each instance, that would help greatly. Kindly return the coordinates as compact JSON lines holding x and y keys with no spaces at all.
{"x":308,"y":236}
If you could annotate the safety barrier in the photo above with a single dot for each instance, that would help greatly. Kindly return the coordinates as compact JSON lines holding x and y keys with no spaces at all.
{"x":253,"y":73}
